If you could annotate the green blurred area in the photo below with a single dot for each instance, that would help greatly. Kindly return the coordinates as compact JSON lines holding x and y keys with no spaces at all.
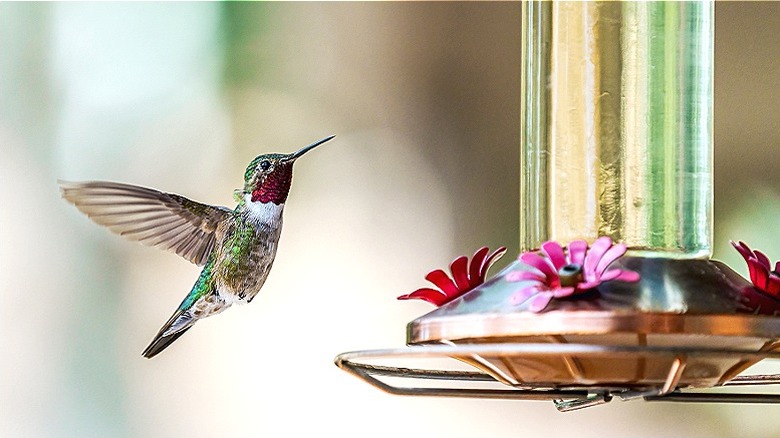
{"x":424,"y":99}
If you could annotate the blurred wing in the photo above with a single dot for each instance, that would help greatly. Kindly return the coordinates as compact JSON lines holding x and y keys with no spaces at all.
{"x":162,"y":220}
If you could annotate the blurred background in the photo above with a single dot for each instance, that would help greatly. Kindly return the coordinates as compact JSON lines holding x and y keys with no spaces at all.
{"x":424,"y":98}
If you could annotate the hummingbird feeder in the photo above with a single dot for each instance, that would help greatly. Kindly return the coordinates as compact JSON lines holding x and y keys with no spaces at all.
{"x":615,"y":294}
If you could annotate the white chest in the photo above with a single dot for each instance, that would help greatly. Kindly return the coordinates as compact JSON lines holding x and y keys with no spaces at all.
{"x":267,"y":213}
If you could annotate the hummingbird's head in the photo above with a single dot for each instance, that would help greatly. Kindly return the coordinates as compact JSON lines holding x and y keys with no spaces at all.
{"x":268,"y":177}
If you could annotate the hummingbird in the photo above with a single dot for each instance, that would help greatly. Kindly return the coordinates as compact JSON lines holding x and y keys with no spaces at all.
{"x":235,"y":247}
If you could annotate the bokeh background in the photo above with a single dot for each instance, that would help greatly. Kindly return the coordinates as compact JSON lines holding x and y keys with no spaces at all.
{"x":424,"y":98}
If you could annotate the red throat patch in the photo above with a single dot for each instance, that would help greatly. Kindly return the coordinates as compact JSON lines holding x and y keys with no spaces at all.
{"x":275,"y":187}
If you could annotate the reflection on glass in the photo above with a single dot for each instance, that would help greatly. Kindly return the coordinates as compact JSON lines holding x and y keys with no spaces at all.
{"x":617,"y":125}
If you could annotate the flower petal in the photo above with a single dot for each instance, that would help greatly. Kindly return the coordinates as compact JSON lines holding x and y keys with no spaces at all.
{"x":612,"y":254}
{"x":588,"y":285}
{"x":444,"y":282}
{"x":759,"y":274}
{"x":477,"y":261}
{"x":577,"y":250}
{"x":459,"y":268}
{"x":773,"y":285}
{"x":540,"y":302}
{"x":525,"y":275}
{"x":554,"y":252}
{"x":763,"y":259}
{"x":563,"y":292}
{"x":492,"y":258}
{"x":432,"y":296}
{"x":743,"y":249}
{"x":609,"y":275}
{"x":523,"y":294}
{"x":542,"y":264}
{"x":620,"y":275}
{"x":594,"y":255}
{"x":751,"y":270}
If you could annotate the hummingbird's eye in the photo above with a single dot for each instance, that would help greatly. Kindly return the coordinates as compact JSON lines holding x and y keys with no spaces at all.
{"x":265,"y":164}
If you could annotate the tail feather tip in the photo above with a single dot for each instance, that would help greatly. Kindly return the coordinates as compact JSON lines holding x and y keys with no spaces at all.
{"x":160,"y":343}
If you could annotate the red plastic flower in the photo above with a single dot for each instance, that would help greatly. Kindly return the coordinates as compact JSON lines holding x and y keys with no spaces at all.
{"x":560,"y":275}
{"x":465,"y":277}
{"x":761,"y":273}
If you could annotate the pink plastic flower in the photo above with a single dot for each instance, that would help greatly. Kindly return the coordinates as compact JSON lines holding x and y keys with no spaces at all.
{"x":761,"y":273}
{"x":465,"y":277}
{"x":560,"y":275}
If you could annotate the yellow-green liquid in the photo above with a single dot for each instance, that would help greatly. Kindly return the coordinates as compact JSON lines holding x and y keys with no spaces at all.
{"x":617,"y":125}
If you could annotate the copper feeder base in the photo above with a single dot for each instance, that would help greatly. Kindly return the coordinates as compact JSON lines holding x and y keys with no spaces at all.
{"x":684,"y":304}
{"x":686,"y":324}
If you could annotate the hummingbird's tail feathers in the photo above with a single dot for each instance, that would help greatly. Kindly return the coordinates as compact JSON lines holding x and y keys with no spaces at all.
{"x":182,"y":321}
{"x":177,"y":324}
{"x":160,"y":343}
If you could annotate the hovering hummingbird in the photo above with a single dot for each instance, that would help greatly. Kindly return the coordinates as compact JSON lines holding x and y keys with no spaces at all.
{"x":235,"y":247}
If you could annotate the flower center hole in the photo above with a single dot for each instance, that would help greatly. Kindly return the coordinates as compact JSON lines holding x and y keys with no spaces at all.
{"x":570,"y":275}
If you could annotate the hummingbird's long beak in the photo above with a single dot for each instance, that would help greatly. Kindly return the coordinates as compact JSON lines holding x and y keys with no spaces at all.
{"x":295,"y":155}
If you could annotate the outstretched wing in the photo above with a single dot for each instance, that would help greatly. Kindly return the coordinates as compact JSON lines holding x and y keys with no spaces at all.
{"x":163,"y":220}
